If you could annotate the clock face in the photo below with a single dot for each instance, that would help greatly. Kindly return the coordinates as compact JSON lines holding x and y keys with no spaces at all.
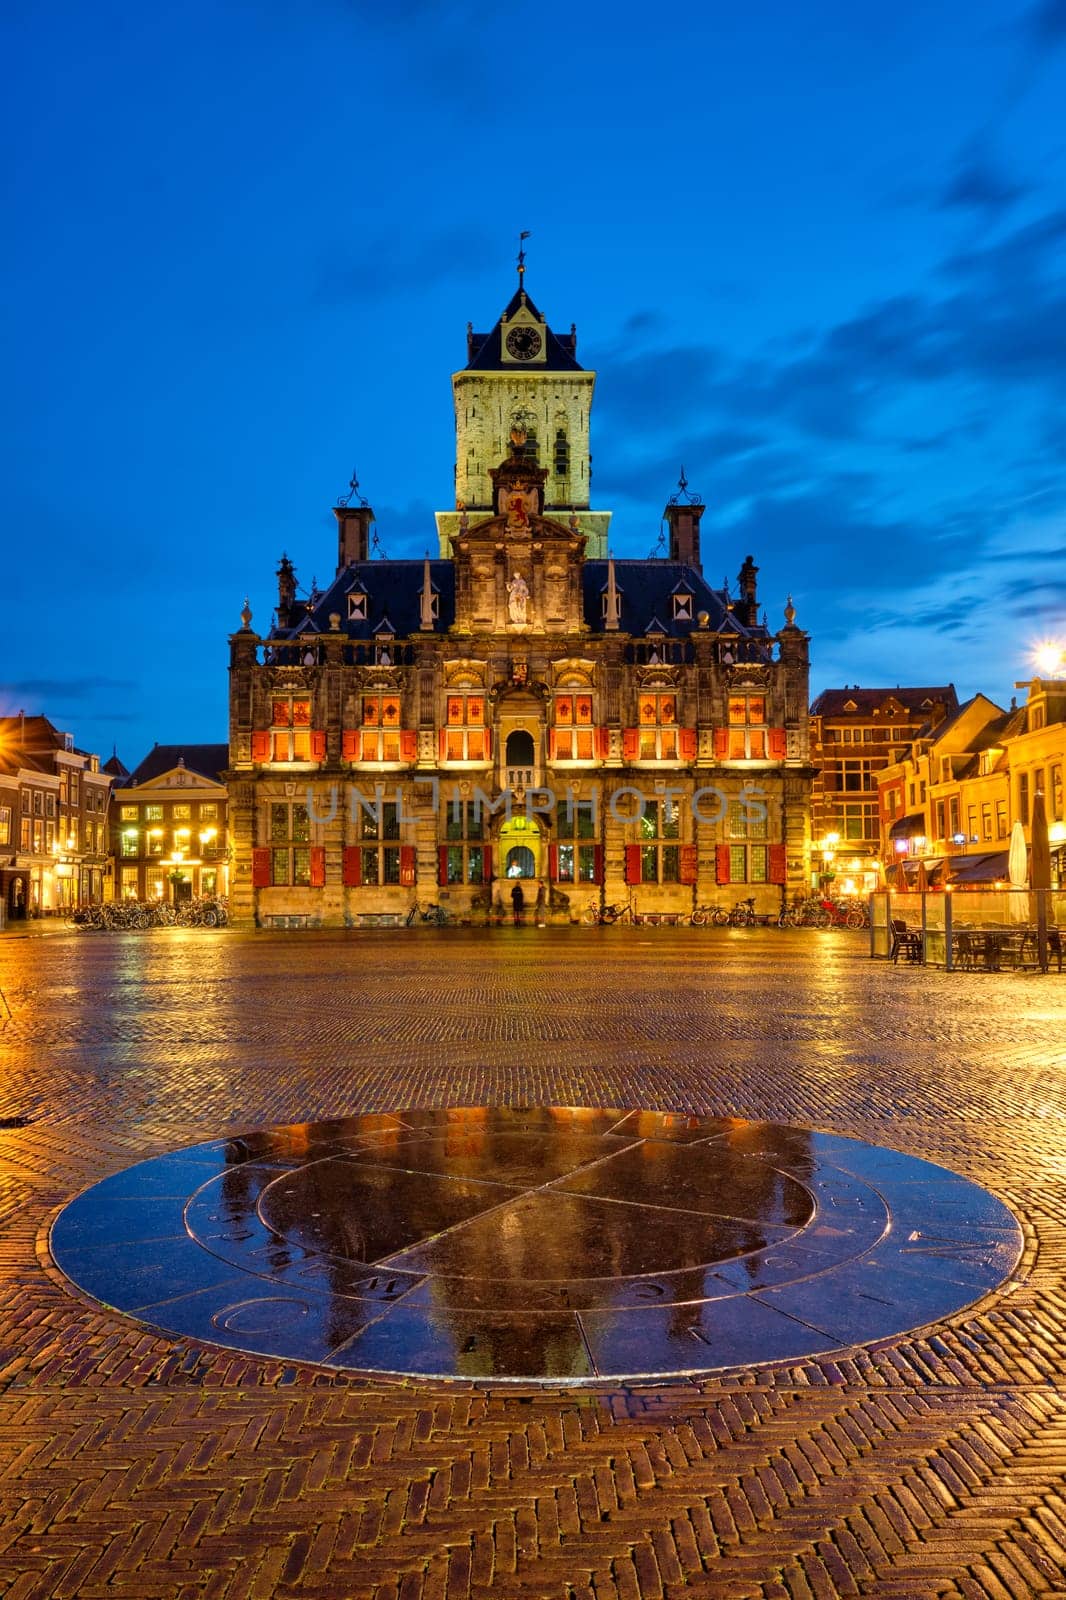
{"x":524,"y":343}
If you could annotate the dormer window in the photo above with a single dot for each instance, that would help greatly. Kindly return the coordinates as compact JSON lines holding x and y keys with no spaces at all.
{"x":357,"y":606}
{"x":682,"y":607}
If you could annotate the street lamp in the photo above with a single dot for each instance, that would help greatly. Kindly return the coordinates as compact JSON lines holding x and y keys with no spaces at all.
{"x":1049,"y":658}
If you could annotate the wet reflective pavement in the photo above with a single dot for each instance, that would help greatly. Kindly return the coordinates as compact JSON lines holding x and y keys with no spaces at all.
{"x":543,"y":1244}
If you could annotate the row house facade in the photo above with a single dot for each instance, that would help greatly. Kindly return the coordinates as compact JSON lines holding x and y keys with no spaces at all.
{"x":855,"y":733}
{"x":54,"y":844}
{"x":948,"y":807}
{"x":169,"y":826}
{"x":518,"y":711}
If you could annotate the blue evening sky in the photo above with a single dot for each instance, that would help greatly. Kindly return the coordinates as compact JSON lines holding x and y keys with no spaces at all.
{"x":816,"y":253}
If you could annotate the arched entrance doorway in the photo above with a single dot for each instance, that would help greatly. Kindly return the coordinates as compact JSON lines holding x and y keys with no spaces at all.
{"x":520,"y":847}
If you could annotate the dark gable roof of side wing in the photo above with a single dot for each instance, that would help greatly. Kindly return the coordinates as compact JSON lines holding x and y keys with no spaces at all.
{"x":209,"y":760}
{"x":832,"y":702}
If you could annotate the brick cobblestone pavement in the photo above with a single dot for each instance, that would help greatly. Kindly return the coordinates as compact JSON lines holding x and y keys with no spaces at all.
{"x":134,"y":1464}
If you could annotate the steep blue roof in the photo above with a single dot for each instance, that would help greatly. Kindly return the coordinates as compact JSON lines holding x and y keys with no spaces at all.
{"x":483,"y":349}
{"x":392,"y":602}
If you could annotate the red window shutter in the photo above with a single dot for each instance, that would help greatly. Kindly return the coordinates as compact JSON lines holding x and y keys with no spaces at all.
{"x":721,"y":863}
{"x":778,"y":744}
{"x":488,"y":744}
{"x":632,"y":863}
{"x":350,"y":744}
{"x":630,"y":744}
{"x":686,"y":743}
{"x":721,"y":746}
{"x":442,"y":865}
{"x":353,"y":866}
{"x":603,"y":743}
{"x":318,"y":744}
{"x":551,"y":744}
{"x":408,"y":745}
{"x":260,"y":747}
{"x":407,"y":866}
{"x":486,"y":864}
{"x":777,"y":863}
{"x":318,"y":866}
{"x":597,"y":863}
{"x":553,"y":862}
{"x":443,"y":740}
{"x":261,"y":869}
{"x":688,"y":863}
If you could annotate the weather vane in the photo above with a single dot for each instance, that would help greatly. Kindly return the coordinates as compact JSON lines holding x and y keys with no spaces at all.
{"x":522,"y":237}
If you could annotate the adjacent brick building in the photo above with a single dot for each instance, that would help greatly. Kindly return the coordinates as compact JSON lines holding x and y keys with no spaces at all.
{"x":855,"y":733}
{"x":53,"y":820}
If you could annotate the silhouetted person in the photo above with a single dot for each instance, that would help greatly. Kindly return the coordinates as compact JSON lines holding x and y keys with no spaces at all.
{"x":518,"y":901}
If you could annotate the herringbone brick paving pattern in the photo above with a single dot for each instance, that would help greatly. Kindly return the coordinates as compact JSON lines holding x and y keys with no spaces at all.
{"x":131,"y":1464}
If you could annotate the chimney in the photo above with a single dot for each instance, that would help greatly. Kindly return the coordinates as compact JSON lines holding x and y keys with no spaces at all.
{"x":684,"y":524}
{"x":353,"y":534}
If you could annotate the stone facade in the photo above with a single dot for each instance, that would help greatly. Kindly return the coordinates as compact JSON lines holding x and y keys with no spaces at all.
{"x":523,"y":713}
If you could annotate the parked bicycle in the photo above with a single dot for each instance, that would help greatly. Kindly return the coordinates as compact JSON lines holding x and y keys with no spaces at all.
{"x":704,"y":914}
{"x":606,"y":914}
{"x":434,"y":914}
{"x":743,"y":913}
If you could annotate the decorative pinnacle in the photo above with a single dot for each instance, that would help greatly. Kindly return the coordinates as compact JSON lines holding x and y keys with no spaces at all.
{"x":682,"y":492}
{"x":522,"y":237}
{"x":353,"y":490}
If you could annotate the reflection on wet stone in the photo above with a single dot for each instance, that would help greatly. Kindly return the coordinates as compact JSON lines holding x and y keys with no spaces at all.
{"x":539,"y":1243}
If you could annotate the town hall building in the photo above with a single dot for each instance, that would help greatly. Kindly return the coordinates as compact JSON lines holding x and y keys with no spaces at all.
{"x":524,"y":710}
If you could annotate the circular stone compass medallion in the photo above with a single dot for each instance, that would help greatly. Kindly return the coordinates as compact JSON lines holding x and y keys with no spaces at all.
{"x":552,"y":1245}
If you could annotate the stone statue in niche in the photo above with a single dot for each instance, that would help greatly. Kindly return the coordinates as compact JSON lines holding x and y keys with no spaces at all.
{"x":517,"y":598}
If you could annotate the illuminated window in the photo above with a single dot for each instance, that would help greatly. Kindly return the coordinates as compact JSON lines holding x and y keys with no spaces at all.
{"x":208,"y":811}
{"x":379,"y":828}
{"x":128,"y":881}
{"x":290,"y":843}
{"x":747,"y":727}
{"x":577,"y":849}
{"x":464,"y":833}
{"x":574,"y":737}
{"x":1056,"y":792}
{"x":290,"y":728}
{"x":49,"y":805}
{"x":1023,"y":797}
{"x":657,"y":717}
{"x":181,"y":813}
{"x":5,"y":824}
{"x":24,"y":833}
{"x":464,"y":733}
{"x":1001,"y":819}
{"x":153,"y":813}
{"x":746,"y":820}
{"x":153,"y":883}
{"x":38,"y":803}
{"x":859,"y":822}
{"x":660,"y":828}
{"x":380,"y":736}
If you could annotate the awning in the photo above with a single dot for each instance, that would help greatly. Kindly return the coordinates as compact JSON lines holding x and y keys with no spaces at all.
{"x":909,"y":827}
{"x":979,"y":869}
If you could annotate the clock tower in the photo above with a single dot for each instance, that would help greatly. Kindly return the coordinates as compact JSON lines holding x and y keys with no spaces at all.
{"x":523,"y":376}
